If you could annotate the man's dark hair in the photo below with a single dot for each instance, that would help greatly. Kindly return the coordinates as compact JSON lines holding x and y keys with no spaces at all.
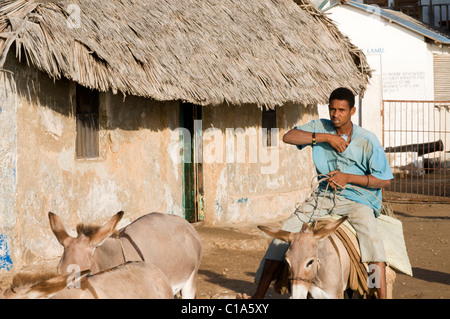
{"x":343,"y":94}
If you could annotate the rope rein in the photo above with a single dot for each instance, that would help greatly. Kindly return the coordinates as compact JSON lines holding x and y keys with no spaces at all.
{"x":315,"y":182}
{"x":300,"y":279}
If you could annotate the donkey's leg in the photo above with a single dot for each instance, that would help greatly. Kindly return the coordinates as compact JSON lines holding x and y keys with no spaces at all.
{"x":390,"y":280}
{"x":319,"y":293}
{"x":189,"y":288}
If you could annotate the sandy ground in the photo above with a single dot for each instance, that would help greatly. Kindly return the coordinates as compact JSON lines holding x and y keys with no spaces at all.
{"x":232,"y":255}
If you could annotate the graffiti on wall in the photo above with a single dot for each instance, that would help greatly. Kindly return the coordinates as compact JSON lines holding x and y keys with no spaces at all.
{"x":5,"y":254}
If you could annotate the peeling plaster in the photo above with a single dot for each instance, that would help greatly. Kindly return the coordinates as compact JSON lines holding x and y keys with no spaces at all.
{"x":66,"y":160}
{"x":8,"y":166}
{"x":221,"y":194}
{"x":102,"y":198}
{"x":51,"y":122}
{"x":116,"y":140}
{"x":172,"y":208}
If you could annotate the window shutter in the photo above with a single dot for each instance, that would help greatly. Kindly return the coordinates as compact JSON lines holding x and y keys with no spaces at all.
{"x":441,"y":66}
{"x":269,"y":121}
{"x":87,"y":112}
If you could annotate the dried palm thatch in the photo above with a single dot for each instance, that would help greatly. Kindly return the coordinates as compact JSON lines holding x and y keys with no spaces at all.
{"x":267,"y":52}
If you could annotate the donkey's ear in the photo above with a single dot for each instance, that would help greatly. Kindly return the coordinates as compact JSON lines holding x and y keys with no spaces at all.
{"x":276,"y":233}
{"x":58,"y":229}
{"x":106,"y":230}
{"x":328,"y":228}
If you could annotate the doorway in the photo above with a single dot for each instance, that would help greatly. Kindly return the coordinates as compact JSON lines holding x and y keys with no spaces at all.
{"x":191,"y":161}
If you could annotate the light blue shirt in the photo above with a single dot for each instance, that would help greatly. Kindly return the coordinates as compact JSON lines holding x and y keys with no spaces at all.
{"x":363,"y":156}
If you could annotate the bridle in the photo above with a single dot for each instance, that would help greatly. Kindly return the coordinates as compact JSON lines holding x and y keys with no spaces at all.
{"x":300,"y":279}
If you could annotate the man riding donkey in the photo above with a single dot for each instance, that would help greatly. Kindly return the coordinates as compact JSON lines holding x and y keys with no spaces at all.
{"x":348,"y":155}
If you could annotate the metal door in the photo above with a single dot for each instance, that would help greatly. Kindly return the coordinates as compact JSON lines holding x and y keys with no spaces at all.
{"x":192,"y":177}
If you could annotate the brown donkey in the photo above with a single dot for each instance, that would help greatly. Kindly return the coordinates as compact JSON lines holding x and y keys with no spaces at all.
{"x":319,"y":263}
{"x":133,"y":280}
{"x":317,"y":266}
{"x":167,"y":241}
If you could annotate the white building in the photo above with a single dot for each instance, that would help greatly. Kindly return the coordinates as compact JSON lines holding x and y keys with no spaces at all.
{"x":409,"y":60}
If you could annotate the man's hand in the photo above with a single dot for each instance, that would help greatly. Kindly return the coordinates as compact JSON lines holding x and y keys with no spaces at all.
{"x":337,"y":142}
{"x":337,"y":179}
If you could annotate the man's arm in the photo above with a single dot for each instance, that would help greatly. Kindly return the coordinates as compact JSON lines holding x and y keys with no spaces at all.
{"x":299,"y":137}
{"x":339,"y":179}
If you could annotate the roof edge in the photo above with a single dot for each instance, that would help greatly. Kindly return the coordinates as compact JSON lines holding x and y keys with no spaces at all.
{"x":415,"y":27}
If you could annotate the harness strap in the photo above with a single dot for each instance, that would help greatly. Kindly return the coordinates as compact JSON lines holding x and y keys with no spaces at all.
{"x":300,"y":279}
{"x":123,"y":250}
{"x":132,"y":244}
{"x":88,"y":286}
{"x":336,"y":248}
{"x":358,"y":272}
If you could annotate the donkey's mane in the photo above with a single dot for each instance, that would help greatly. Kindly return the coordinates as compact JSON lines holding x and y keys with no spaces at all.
{"x":88,"y":230}
{"x":30,"y":279}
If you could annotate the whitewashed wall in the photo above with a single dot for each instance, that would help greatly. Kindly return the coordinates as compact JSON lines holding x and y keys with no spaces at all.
{"x":401,"y":59}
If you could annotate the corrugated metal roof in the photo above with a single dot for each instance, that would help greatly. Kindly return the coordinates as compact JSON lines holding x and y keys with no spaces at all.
{"x":401,"y":19}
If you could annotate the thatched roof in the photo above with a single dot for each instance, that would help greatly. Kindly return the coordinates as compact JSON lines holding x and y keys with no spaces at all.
{"x":267,"y":52}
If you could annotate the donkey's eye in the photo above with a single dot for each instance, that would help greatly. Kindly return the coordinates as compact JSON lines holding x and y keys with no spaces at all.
{"x":310,"y":263}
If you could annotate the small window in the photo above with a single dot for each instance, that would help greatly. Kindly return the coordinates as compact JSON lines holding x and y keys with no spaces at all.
{"x":87,"y":112}
{"x":441,"y":65}
{"x":269,"y":122}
